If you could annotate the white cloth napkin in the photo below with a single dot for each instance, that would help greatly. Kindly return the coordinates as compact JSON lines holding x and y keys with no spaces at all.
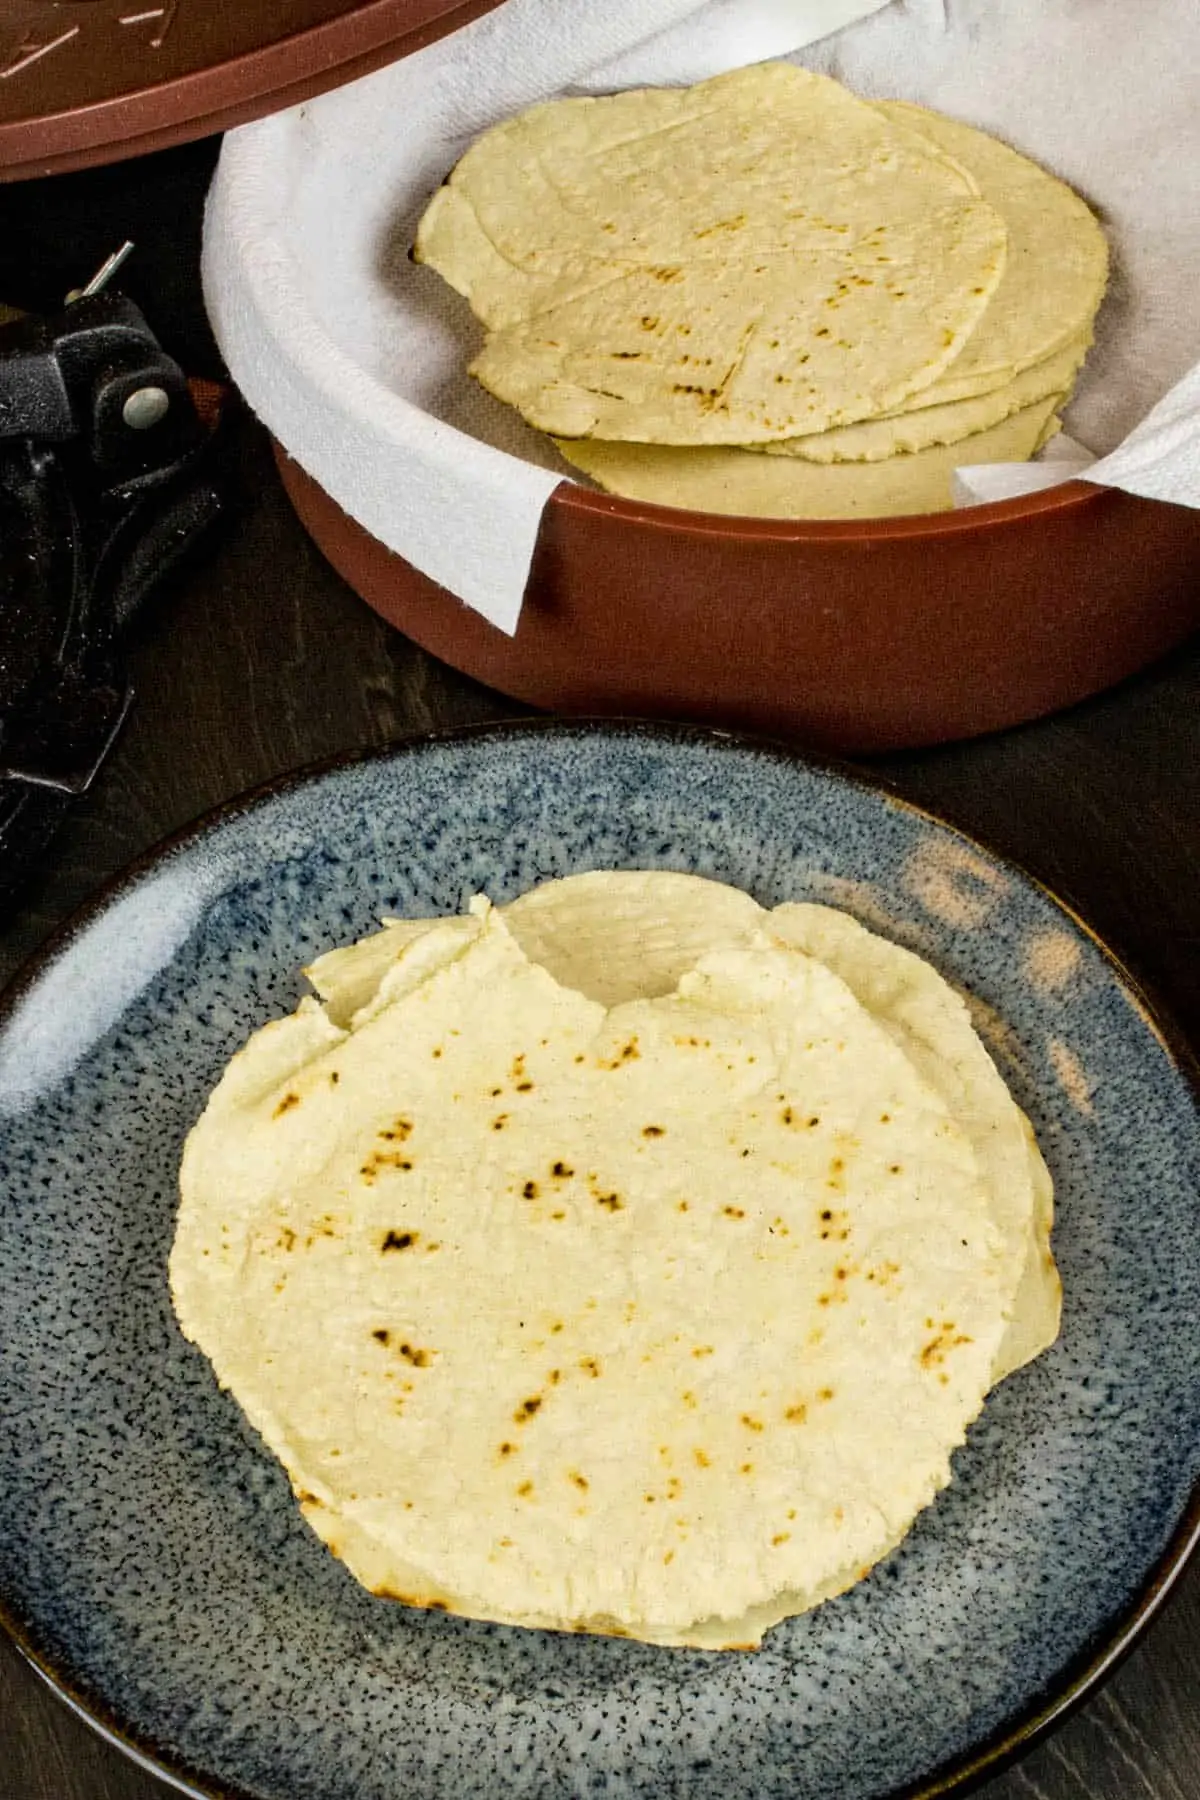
{"x":356,"y":360}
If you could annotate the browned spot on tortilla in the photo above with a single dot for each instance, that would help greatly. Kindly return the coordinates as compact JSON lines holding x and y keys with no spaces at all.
{"x":289,"y":1100}
{"x":400,"y":1240}
{"x":383,"y":1159}
{"x":933,"y":1355}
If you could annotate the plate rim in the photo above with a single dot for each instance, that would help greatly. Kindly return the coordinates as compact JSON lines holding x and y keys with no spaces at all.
{"x":1083,"y":1675}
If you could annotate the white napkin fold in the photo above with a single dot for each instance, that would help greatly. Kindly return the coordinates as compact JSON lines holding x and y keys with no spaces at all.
{"x":356,"y":360}
{"x":720,"y":35}
{"x":1160,"y":459}
{"x":1062,"y":460}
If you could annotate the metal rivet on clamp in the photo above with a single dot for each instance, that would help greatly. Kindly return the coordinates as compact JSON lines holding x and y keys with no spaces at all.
{"x":145,"y":407}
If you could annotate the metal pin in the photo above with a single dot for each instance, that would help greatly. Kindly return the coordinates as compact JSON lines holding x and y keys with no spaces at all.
{"x":103,"y":275}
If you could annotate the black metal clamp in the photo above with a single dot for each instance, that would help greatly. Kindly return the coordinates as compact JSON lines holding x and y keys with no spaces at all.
{"x":105,"y":484}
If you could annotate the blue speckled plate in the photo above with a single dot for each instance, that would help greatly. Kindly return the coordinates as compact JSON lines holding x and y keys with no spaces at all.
{"x":152,"y":1560}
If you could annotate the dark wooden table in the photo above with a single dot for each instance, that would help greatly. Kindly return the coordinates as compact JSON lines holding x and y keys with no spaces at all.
{"x":260,"y":659}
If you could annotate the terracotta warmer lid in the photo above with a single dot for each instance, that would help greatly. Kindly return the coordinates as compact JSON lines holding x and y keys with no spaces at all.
{"x":93,"y":81}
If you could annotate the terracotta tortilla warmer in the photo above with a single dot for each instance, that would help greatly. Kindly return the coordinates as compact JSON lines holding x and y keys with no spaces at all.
{"x":855,"y":636}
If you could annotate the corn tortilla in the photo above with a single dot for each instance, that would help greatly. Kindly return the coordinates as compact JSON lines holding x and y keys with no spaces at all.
{"x":755,"y":257}
{"x":738,"y":481}
{"x":623,"y":935}
{"x":720,"y":1355}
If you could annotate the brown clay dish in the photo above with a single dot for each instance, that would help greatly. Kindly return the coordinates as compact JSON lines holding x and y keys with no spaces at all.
{"x":864,"y":635}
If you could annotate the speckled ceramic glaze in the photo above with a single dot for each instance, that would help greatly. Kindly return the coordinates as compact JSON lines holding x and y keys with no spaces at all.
{"x":151,"y":1556}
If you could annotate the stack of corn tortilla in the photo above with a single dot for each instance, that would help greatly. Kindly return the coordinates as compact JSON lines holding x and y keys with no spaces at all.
{"x":763,"y":295}
{"x":631,"y":1260}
